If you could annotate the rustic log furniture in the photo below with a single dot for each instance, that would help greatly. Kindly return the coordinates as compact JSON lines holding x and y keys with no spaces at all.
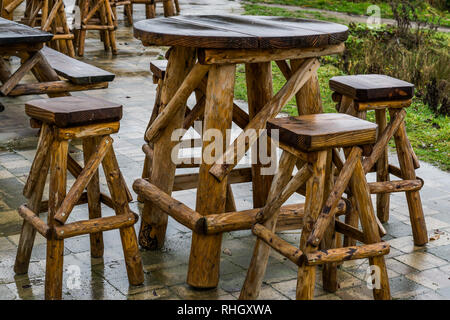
{"x":171,"y":8}
{"x":49,"y":16}
{"x":358,"y":94}
{"x":96,"y":15}
{"x":213,"y":45}
{"x":311,"y":139}
{"x":46,"y":64}
{"x":127,"y":10}
{"x":93,"y":121}
{"x":240,"y":118}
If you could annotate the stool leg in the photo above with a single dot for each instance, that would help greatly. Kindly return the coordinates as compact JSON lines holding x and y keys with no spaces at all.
{"x":150,"y":11}
{"x":169,"y":9}
{"x":204,"y":260}
{"x":28,"y":232}
{"x":84,"y":9}
{"x":130,"y":247}
{"x":360,"y":190}
{"x":329,"y":271}
{"x":259,"y":89}
{"x":55,"y":248}
{"x":416,"y":216}
{"x":94,"y":204}
{"x":154,"y":221}
{"x":258,"y":264}
{"x":315,"y":188}
{"x":382,"y":170}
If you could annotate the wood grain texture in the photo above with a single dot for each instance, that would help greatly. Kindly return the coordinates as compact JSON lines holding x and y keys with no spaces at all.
{"x":372,"y":87}
{"x":259,"y":92}
{"x":257,"y":269}
{"x":321,"y":131}
{"x":73,"y":111}
{"x":231,"y":157}
{"x":154,"y":221}
{"x":74,"y":70}
{"x":204,"y":261}
{"x":239,"y":32}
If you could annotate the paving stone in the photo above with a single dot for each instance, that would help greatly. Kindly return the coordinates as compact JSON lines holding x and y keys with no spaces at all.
{"x":420,"y":260}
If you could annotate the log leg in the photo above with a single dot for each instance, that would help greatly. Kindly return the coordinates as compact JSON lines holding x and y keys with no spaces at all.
{"x":329,"y":271}
{"x":258,"y":264}
{"x":259,"y":90}
{"x":84,"y":10}
{"x":382,"y":170}
{"x":416,"y":215}
{"x":150,"y":11}
{"x":315,"y":187}
{"x":94,"y":204}
{"x":154,"y":221}
{"x":28,"y":233}
{"x":360,"y":191}
{"x":146,"y":171}
{"x":204,"y":261}
{"x":55,"y":248}
{"x":308,"y":97}
{"x":169,"y":9}
{"x":119,"y":196}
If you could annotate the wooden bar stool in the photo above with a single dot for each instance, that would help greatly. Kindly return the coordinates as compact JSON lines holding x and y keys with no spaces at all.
{"x":64,"y":119}
{"x":311,"y":139}
{"x":96,"y":15}
{"x":127,"y":10}
{"x":358,"y":94}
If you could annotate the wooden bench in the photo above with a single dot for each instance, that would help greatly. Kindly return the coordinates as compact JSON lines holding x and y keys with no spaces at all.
{"x":75,"y":71}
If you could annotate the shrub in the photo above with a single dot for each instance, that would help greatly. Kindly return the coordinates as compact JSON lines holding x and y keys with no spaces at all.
{"x":418,"y":55}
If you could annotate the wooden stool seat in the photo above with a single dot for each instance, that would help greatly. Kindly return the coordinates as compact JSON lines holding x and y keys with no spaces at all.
{"x":72,"y":111}
{"x":83,"y":115}
{"x":322,"y":131}
{"x":323,"y":193}
{"x":371,"y":87}
{"x":158,"y":68}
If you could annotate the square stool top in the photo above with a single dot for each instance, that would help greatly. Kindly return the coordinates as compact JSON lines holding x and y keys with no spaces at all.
{"x":73,"y":111}
{"x":371,"y":87}
{"x":322,"y":131}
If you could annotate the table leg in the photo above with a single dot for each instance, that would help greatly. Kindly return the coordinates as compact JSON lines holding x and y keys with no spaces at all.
{"x":204,"y":261}
{"x":154,"y":221}
{"x":259,"y":91}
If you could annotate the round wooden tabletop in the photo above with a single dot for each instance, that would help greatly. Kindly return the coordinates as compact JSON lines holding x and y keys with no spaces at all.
{"x":239,"y":32}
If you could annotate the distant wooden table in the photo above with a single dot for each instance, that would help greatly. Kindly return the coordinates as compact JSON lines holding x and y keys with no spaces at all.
{"x":47,"y":65}
{"x":26,"y":43}
{"x":206,"y":49}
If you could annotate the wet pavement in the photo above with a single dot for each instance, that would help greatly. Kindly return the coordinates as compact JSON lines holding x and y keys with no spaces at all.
{"x":415,"y":272}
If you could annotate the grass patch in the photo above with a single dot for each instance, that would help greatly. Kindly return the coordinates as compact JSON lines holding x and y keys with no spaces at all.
{"x":425,"y":11}
{"x":429,"y":134}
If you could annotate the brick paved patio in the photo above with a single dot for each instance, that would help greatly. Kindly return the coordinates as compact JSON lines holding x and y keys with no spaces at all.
{"x":415,"y":272}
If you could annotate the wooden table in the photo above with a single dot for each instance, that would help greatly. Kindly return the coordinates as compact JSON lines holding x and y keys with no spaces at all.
{"x":208,"y":48}
{"x":28,"y":44}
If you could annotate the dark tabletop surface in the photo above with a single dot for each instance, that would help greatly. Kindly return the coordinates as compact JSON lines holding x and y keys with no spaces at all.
{"x":16,"y":33}
{"x":244,"y":32}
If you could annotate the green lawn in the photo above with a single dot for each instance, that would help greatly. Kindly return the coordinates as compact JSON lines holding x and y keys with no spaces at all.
{"x":425,"y":12}
{"x":429,"y":134}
